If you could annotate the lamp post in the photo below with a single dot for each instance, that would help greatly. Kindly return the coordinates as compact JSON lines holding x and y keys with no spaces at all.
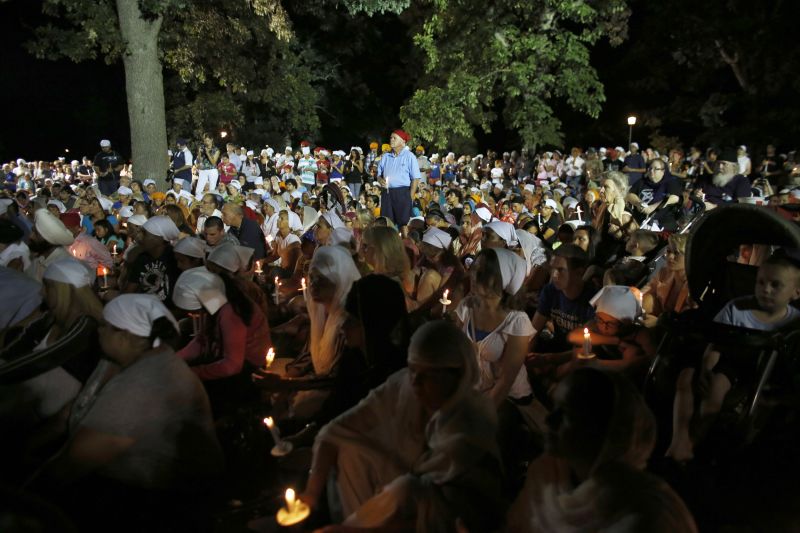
{"x":631,"y":124}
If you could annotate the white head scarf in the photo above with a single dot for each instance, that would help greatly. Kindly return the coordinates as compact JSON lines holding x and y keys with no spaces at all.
{"x":137,"y":220}
{"x":198,"y":288}
{"x":136,"y":313}
{"x":438,"y":238}
{"x":227,"y":256}
{"x":513,"y":270}
{"x":484,"y":214}
{"x":191,"y":247}
{"x":332,"y":219}
{"x":618,"y":301}
{"x":532,"y":248}
{"x":59,"y":204}
{"x":337,"y":266}
{"x":22,"y":295}
{"x":341,"y":235}
{"x":52,"y":229}
{"x":163,"y":227}
{"x":504,"y":230}
{"x":69,"y":271}
{"x":16,"y":250}
{"x":310,"y":217}
{"x":126,"y":212}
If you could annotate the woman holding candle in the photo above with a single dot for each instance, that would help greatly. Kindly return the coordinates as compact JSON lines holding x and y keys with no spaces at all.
{"x":147,"y":428}
{"x":235,"y":264}
{"x":592,"y":477}
{"x":104,"y":232}
{"x":420,"y":449}
{"x":235,"y":330}
{"x":439,"y":267}
{"x":66,"y":333}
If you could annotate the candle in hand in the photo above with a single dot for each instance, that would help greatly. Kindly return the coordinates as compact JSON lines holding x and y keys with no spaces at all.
{"x":105,"y":278}
{"x":277,"y":298}
{"x":114,"y":251}
{"x":587,"y":342}
{"x":270,"y":357}
{"x":273,"y":429}
{"x":303,"y":286}
{"x":258,"y":267}
{"x":444,"y":301}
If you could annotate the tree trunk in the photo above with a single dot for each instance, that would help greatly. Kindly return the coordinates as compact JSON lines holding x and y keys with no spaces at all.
{"x":144,"y":85}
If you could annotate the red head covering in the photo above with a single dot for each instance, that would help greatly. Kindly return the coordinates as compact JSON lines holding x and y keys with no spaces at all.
{"x":71,"y":219}
{"x":403,"y":135}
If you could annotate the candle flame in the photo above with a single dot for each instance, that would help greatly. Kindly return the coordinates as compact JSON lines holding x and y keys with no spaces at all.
{"x":268,"y":421}
{"x":303,"y":284}
{"x":270,"y":357}
{"x":446,"y":292}
{"x":585,"y":331}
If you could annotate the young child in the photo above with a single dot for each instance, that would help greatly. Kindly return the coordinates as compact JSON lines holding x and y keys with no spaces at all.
{"x":769,"y":309}
{"x":639,"y":244}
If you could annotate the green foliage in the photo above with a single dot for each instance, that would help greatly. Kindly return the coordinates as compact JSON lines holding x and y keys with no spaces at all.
{"x":514,"y":56}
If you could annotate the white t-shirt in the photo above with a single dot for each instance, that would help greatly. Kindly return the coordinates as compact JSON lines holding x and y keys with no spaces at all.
{"x":743,"y":162}
{"x":490,"y":349}
{"x":739,"y":312}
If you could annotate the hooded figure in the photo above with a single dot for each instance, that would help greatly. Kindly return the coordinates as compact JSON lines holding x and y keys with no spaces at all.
{"x":592,"y":478}
{"x":421,"y":446}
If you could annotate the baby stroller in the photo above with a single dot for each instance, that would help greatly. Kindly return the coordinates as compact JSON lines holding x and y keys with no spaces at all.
{"x":768,"y":359}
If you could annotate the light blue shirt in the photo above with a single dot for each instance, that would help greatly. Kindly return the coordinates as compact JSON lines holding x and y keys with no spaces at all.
{"x":399,"y":169}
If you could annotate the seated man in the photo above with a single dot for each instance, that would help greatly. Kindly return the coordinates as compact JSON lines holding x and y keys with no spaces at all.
{"x":657,"y":196}
{"x":565,"y":302}
{"x":247,"y":231}
{"x":777,"y":285}
{"x":726,"y":185}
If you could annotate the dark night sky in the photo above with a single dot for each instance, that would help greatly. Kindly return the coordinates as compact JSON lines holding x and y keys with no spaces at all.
{"x":54,"y":105}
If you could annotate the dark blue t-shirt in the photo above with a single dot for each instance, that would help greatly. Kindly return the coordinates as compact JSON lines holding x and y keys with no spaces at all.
{"x":566,"y":314}
{"x":635,"y":161}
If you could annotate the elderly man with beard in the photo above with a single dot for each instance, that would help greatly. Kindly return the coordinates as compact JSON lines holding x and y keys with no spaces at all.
{"x":48,"y":243}
{"x":726,"y":185}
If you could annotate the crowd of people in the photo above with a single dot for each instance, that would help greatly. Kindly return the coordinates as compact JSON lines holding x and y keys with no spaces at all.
{"x":478,"y":328}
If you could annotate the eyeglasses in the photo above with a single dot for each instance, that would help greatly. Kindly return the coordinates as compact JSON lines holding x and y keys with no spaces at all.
{"x":607,"y":323}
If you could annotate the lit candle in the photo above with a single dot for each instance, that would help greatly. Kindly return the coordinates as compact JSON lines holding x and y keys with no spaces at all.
{"x":114,"y":250}
{"x":270,"y":357}
{"x":273,"y":429}
{"x":579,"y":211}
{"x":290,"y":500}
{"x":295,"y":511}
{"x":258,"y":267}
{"x":281,"y":447}
{"x":105,"y":278}
{"x":303,"y":286}
{"x":587,"y":343}
{"x":444,"y":301}
{"x":277,"y":298}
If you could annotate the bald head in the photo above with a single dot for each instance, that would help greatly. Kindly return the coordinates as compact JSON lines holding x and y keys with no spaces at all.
{"x":232,"y":214}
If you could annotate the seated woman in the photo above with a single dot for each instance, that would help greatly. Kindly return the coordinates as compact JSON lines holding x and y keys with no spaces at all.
{"x":618,"y":342}
{"x":284,"y":247}
{"x":439,"y":266}
{"x":591,"y":478}
{"x":68,"y":333}
{"x":233,"y":330}
{"x":327,"y":223}
{"x":148,"y":428}
{"x":420,"y":449}
{"x":104,"y":232}
{"x":385,"y":254}
{"x":331,"y":275}
{"x":234,"y":264}
{"x":668,"y":291}
{"x":190,"y":252}
{"x":610,"y":217}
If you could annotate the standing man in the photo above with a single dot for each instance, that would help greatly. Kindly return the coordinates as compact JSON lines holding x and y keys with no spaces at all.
{"x":400,"y":172}
{"x":107,"y":164}
{"x":635,"y":166}
{"x":207,"y":159}
{"x":182,"y":165}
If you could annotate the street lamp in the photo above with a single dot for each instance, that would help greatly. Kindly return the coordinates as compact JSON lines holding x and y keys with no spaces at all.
{"x":223,"y":134}
{"x":631,"y":124}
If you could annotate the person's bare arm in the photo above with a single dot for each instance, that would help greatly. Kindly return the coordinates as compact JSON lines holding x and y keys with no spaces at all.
{"x":508,"y":367}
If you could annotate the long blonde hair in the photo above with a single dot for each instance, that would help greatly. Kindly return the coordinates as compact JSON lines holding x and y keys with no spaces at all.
{"x":390,"y":254}
{"x":72,"y":301}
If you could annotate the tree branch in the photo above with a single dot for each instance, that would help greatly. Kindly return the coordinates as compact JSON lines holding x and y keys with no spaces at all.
{"x":733,"y":62}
